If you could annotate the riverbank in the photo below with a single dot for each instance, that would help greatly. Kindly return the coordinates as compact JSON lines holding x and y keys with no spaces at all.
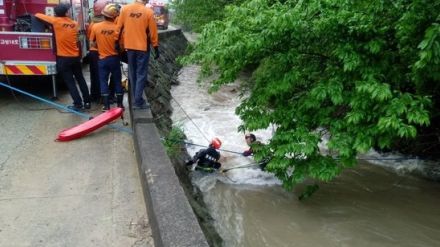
{"x":175,"y":210}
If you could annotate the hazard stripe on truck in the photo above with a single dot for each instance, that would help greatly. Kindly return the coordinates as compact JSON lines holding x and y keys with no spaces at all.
{"x":25,"y":69}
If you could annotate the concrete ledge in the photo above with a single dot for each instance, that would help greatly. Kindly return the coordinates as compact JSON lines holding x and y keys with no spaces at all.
{"x":142,"y":116}
{"x":169,"y":33}
{"x":172,"y":219}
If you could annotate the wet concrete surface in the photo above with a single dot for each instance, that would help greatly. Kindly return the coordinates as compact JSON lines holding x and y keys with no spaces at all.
{"x":80,"y":193}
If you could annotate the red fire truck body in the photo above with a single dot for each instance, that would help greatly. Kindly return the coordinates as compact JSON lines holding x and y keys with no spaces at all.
{"x":161,"y":15}
{"x":26,"y":44}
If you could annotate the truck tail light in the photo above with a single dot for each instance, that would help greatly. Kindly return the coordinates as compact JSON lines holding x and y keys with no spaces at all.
{"x":35,"y":43}
{"x":45,"y":43}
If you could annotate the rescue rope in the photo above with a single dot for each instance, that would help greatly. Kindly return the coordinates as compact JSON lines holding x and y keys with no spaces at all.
{"x":186,"y":114}
{"x":241,"y":166}
{"x":63,"y":107}
{"x":337,"y":158}
{"x":15,"y":96}
{"x":198,"y":145}
{"x":226,"y":176}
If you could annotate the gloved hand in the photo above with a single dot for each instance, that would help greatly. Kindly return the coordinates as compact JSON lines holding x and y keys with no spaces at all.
{"x":247,"y":153}
{"x":86,"y":59}
{"x":217,"y":165}
{"x":117,"y":47}
{"x":156,"y":52}
{"x":189,"y":162}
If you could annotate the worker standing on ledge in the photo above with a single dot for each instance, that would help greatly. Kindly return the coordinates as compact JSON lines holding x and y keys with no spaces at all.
{"x":137,"y":23}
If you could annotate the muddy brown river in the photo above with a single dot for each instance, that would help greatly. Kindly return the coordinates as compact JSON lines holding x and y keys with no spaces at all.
{"x":366,"y":206}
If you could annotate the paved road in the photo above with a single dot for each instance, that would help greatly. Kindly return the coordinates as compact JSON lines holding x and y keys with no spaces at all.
{"x":80,"y":193}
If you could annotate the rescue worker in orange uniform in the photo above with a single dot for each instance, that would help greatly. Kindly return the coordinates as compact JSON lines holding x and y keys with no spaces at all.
{"x":104,"y":36}
{"x":137,"y":21}
{"x":111,"y":84}
{"x":95,"y":90}
{"x":68,"y":56}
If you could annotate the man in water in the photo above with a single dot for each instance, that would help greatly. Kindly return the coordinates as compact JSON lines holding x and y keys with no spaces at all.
{"x":207,"y":159}
{"x":251,"y":140}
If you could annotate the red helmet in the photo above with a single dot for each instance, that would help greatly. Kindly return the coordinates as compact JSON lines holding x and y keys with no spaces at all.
{"x":216,"y":143}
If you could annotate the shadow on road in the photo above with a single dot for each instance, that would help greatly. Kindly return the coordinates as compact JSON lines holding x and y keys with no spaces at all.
{"x":37,"y":85}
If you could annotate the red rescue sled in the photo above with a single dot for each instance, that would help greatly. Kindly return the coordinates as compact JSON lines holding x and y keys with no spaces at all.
{"x":91,"y":125}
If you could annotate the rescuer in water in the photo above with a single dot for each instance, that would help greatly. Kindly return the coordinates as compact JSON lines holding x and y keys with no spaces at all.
{"x":207,"y":159}
{"x":68,"y":55}
{"x":104,"y":37}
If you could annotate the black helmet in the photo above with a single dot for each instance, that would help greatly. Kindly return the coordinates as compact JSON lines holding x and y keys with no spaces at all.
{"x":61,"y":9}
{"x":250,"y":136}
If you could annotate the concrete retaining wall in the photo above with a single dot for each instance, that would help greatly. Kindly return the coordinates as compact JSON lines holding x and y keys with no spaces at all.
{"x":171,"y":217}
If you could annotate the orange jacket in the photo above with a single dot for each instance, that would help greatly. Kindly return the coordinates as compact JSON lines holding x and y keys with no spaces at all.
{"x":121,"y":36}
{"x":89,"y":30}
{"x":105,"y":36}
{"x":135,"y":21}
{"x":66,"y":34}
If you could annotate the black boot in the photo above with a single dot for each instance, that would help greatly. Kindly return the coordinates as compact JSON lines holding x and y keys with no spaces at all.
{"x":119,"y":99}
{"x":111,"y":99}
{"x":106,"y":103}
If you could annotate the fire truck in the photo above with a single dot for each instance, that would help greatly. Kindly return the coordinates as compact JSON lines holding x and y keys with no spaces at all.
{"x":161,"y":15}
{"x":26,"y":44}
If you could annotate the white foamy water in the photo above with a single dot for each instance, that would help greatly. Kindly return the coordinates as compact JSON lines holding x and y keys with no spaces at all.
{"x":399,"y":163}
{"x":205,"y":116}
